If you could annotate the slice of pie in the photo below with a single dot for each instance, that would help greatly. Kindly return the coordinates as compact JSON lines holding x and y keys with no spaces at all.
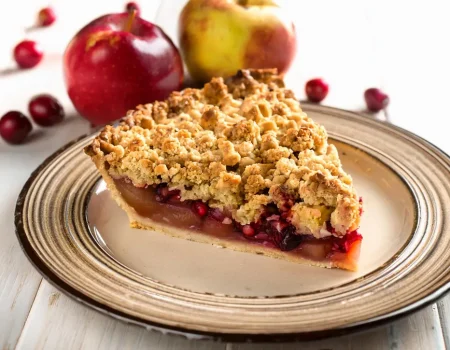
{"x":236,"y":164}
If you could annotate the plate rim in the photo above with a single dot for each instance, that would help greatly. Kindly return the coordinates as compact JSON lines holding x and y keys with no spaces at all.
{"x":192,"y":334}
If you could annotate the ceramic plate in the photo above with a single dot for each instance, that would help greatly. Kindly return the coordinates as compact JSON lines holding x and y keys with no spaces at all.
{"x":78,"y":238}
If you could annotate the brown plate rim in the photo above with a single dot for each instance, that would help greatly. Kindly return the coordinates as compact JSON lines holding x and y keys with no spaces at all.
{"x":59,"y":284}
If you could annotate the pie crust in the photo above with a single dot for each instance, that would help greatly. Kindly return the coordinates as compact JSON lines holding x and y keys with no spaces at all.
{"x":240,"y":145}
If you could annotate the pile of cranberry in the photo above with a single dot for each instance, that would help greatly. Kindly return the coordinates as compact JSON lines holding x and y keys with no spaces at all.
{"x":45,"y":111}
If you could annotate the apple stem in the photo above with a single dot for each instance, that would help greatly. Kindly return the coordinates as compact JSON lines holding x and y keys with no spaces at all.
{"x":131,"y":16}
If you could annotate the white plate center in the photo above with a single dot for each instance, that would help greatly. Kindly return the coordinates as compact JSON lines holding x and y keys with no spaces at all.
{"x":387,"y":224}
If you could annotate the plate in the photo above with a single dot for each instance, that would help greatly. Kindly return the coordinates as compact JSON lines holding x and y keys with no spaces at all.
{"x":80,"y":241}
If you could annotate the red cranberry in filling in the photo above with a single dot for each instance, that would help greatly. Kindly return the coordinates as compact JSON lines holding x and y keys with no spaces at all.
{"x":256,"y":225}
{"x":272,"y":229}
{"x":163,"y":194}
{"x":262,"y":236}
{"x":343,"y":244}
{"x":290,"y":240}
{"x":273,"y":218}
{"x":248,"y":230}
{"x":200,"y":208}
{"x":216,"y":214}
{"x":283,"y":235}
{"x":175,"y":198}
{"x":278,"y":225}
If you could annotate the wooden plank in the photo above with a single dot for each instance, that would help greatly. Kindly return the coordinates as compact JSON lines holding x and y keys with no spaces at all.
{"x":57,"y":321}
{"x":444,"y":316}
{"x":19,"y":281}
{"x":421,"y":330}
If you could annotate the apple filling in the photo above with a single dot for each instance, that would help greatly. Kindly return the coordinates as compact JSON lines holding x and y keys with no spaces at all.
{"x":272,"y":230}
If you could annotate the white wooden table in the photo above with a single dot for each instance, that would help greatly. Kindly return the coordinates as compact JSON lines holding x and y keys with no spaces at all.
{"x":352,"y":44}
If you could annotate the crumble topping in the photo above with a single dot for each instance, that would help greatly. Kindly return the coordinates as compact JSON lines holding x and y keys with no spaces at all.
{"x":238,"y":145}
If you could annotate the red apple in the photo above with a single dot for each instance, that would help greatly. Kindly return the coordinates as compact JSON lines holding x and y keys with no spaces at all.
{"x":117,"y":62}
{"x":218,"y":37}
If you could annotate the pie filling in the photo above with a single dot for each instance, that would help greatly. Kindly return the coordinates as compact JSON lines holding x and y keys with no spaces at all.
{"x":236,"y":163}
{"x":272,"y":230}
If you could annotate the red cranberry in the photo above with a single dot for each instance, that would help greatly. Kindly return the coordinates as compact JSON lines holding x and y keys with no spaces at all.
{"x":200,"y":208}
{"x":343,"y":244}
{"x":45,"y":110}
{"x":130,"y":6}
{"x":174,"y":192}
{"x":376,"y":100}
{"x":262,"y":236}
{"x":290,"y":240}
{"x":175,"y":198}
{"x":163,"y":194}
{"x":14,"y":127}
{"x":217,"y":214}
{"x":278,"y":225}
{"x":46,"y":17}
{"x":164,"y":191}
{"x":273,"y":218}
{"x":28,"y":54}
{"x":248,"y":230}
{"x":316,"y":90}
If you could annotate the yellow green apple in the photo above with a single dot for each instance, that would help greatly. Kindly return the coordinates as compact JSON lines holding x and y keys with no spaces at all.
{"x":218,"y":37}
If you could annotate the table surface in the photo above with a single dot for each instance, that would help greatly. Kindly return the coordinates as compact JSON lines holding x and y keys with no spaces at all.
{"x":353,"y":44}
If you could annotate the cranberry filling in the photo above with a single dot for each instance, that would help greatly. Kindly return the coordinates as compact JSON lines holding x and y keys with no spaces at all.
{"x":272,"y":227}
{"x":161,"y":204}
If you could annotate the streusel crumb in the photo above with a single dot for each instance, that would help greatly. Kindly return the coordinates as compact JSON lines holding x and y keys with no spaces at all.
{"x":239,"y":145}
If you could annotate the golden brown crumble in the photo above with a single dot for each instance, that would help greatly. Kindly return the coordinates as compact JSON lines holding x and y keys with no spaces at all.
{"x":239,"y":145}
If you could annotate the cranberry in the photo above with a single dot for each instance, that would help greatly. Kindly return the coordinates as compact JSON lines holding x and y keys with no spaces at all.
{"x":248,"y":230}
{"x":283,"y":235}
{"x":262,"y":236}
{"x":217,"y":214}
{"x":273,"y":218}
{"x":290,"y":240}
{"x":278,"y":225}
{"x":376,"y":100}
{"x":28,"y":54}
{"x":316,"y":90}
{"x":132,"y":6}
{"x":163,"y":194}
{"x":46,"y":17}
{"x":175,"y":198}
{"x":45,"y":110}
{"x":14,"y":127}
{"x":200,"y":208}
{"x":343,"y":244}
